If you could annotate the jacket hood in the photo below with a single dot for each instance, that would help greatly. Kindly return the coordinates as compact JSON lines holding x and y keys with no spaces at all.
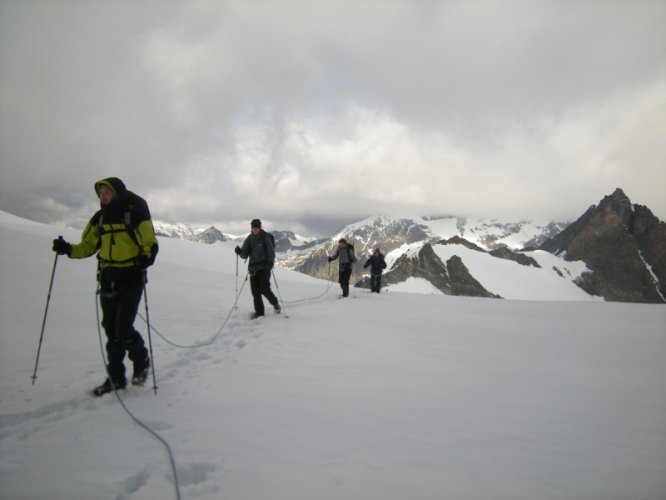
{"x":115,"y":184}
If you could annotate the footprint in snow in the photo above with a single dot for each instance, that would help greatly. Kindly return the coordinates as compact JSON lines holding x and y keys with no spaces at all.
{"x":192,"y":474}
{"x":135,"y":482}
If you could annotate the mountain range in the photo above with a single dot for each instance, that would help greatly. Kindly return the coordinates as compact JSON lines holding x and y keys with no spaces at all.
{"x":615,"y":251}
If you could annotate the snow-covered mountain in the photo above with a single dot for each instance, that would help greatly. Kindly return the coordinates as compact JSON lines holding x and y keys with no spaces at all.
{"x":403,"y":240}
{"x":284,"y":240}
{"x":397,"y":237}
{"x":389,"y":233}
{"x":202,"y":234}
{"x":614,"y":251}
{"x":382,"y":230}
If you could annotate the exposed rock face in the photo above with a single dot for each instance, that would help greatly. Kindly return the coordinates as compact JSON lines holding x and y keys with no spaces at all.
{"x":500,"y":252}
{"x":549,"y":231}
{"x":426,"y":264}
{"x":457,"y":240}
{"x":451,"y":278}
{"x":383,"y":232}
{"x":624,"y":246}
{"x":650,"y":234}
{"x":287,"y":240}
{"x":505,"y":253}
{"x":462,"y":282}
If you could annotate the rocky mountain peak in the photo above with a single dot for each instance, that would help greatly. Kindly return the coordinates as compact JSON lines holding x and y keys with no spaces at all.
{"x":381,"y":232}
{"x":210,"y":235}
{"x":623,"y":245}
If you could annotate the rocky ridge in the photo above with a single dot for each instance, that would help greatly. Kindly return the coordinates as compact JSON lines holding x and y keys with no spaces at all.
{"x":624,"y":246}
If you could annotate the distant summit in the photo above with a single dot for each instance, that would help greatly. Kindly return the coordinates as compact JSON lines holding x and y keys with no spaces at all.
{"x":210,"y":235}
{"x":624,"y":247}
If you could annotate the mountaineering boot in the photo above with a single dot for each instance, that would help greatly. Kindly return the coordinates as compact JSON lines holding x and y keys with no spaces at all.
{"x":140,"y":371}
{"x":255,"y":315}
{"x":107,"y":386}
{"x":277,"y":308}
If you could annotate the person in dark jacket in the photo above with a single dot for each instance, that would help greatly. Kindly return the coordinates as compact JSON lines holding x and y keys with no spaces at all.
{"x":122,"y":235}
{"x":345,"y":254}
{"x":258,"y":246}
{"x":377,"y":265}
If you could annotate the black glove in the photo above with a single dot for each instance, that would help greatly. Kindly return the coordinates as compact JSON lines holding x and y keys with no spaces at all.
{"x":237,"y":250}
{"x":271,"y":264}
{"x":61,"y":247}
{"x":330,"y":259}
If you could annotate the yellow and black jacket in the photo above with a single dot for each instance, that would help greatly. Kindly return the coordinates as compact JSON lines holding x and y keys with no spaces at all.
{"x":121,"y":232}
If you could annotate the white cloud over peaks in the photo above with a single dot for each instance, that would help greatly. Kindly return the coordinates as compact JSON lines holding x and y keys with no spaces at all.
{"x":358,"y":160}
{"x":303,"y":109}
{"x":352,"y":159}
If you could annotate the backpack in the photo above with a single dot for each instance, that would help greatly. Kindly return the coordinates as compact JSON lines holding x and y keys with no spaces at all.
{"x":352,"y":257}
{"x":132,"y":202}
{"x":271,"y":237}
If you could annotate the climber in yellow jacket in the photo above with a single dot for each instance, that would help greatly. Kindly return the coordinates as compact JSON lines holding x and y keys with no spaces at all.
{"x":122,"y":235}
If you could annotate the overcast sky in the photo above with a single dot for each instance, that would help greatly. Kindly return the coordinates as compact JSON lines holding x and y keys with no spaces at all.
{"x":311,"y":114}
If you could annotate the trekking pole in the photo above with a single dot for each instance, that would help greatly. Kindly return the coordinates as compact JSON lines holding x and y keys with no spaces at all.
{"x":48,"y":300}
{"x":150,"y":339}
{"x":236,"y":304}
{"x":277,"y":287}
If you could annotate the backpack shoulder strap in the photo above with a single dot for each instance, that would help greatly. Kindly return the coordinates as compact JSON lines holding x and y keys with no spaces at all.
{"x":350,"y":253}
{"x":269,"y":237}
{"x":127,"y":220}
{"x":128,"y":225}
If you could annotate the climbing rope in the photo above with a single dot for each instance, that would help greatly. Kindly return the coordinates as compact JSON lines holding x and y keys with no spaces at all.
{"x":207,"y":342}
{"x":129,"y":413}
{"x":311,"y":299}
{"x":231,"y":310}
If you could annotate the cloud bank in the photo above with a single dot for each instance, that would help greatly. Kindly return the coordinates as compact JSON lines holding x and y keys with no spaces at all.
{"x":311,"y":114}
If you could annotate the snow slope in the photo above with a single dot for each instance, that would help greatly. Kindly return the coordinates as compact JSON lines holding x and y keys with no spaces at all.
{"x":511,"y":280}
{"x":391,"y":396}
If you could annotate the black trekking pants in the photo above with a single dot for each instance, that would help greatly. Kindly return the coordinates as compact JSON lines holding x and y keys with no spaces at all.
{"x":375,"y":282}
{"x":343,"y":278}
{"x":120,"y":295}
{"x":260,"y":284}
